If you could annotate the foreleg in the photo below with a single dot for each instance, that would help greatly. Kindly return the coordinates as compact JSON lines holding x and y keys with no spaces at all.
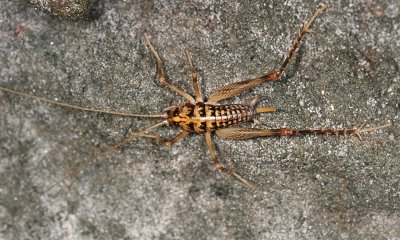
{"x":168,"y":143}
{"x":163,"y":79}
{"x":196,"y":88}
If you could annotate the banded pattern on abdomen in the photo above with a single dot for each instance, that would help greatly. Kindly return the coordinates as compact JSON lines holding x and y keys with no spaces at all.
{"x":210,"y":117}
{"x":201,"y":117}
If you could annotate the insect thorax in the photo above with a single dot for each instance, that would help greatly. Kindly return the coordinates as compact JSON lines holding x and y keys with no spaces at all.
{"x":206,"y":117}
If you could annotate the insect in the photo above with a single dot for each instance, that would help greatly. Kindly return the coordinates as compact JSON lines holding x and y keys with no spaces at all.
{"x":207,"y":116}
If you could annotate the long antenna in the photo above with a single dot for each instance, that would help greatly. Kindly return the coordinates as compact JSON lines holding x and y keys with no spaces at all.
{"x":80,"y":166}
{"x":81,"y":108}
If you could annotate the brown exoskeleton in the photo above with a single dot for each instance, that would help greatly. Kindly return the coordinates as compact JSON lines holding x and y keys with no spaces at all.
{"x":207,"y":116}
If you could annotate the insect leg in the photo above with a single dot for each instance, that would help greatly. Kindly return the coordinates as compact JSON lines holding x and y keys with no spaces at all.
{"x":196,"y":88}
{"x":237,"y":88}
{"x":246,"y":133}
{"x":219,"y":165}
{"x":300,"y":35}
{"x":80,"y":166}
{"x":161,"y":75}
{"x":168,"y":143}
{"x":234,"y":89}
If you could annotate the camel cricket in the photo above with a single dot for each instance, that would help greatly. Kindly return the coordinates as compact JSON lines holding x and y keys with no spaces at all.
{"x":207,"y":116}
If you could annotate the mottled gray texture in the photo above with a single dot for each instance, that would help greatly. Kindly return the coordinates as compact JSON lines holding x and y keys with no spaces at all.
{"x":64,"y":9}
{"x":346,"y":73}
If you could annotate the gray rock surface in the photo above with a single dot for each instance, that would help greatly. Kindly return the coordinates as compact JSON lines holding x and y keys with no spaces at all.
{"x":64,"y":9}
{"x":346,"y":73}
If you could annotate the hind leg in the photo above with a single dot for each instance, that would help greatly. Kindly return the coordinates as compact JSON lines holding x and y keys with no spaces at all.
{"x":237,"y":88}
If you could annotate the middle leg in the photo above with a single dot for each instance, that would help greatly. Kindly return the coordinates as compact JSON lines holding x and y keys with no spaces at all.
{"x":218,"y":164}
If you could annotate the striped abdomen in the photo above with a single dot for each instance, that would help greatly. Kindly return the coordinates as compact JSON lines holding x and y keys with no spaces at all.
{"x":201,"y":117}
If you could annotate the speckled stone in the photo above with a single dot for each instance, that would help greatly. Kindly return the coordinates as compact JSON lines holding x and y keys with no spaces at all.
{"x":64,"y":9}
{"x":345,"y":73}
